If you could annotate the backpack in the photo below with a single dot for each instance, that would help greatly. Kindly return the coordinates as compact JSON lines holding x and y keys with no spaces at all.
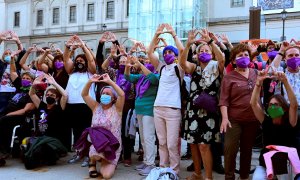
{"x":183,"y":90}
{"x":162,"y":174}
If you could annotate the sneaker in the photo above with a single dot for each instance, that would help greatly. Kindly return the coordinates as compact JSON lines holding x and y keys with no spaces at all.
{"x":186,"y":156}
{"x":190,"y":168}
{"x":127,"y":162}
{"x":146,"y":170}
{"x":219,"y":169}
{"x":85,"y":162}
{"x":140,"y":167}
{"x":74,"y":159}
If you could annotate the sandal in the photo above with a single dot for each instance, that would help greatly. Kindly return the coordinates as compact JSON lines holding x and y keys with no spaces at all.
{"x":93,"y":173}
{"x":195,"y":176}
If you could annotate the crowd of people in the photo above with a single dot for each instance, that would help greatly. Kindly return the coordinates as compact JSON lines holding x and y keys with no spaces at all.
{"x":217,"y":96}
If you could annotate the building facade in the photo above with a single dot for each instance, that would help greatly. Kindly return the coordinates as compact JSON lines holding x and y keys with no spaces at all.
{"x":232,"y":17}
{"x":44,"y":22}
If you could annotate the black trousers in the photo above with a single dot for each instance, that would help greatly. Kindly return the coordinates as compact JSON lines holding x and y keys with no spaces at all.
{"x":79,"y":117}
{"x":127,"y":142}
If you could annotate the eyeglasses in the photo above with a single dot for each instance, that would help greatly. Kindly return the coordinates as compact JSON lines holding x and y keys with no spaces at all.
{"x":274,"y":104}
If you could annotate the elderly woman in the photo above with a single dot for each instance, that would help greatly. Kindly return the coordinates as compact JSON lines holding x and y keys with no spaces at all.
{"x":278,"y":120}
{"x":105,"y":131}
{"x":201,"y":122}
{"x":6,"y":88}
{"x":238,"y":120}
{"x":16,"y":110}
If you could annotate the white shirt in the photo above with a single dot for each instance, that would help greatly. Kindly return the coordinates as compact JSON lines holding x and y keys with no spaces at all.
{"x":294,"y":80}
{"x":75,"y":85}
{"x":168,"y":94}
{"x":5,"y":81}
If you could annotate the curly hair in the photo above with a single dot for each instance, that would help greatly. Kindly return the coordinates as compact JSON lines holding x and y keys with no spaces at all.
{"x":237,"y":49}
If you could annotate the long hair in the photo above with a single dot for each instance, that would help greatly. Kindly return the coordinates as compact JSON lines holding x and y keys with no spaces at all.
{"x":283,"y":103}
{"x":85,"y":60}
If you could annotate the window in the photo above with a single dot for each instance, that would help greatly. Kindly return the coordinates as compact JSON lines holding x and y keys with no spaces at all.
{"x":110,"y":10}
{"x":127,"y":10}
{"x":237,"y":3}
{"x":17,"y":19}
{"x":39,"y":20}
{"x":72,"y":18}
{"x":90,"y":12}
{"x":55,"y":16}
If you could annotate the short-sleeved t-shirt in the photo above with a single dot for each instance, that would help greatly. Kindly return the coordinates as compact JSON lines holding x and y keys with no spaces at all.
{"x":5,"y":82}
{"x":50,"y":121}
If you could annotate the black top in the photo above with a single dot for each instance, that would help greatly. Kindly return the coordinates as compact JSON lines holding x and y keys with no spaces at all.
{"x":20,"y":99}
{"x":50,"y":121}
{"x":273,"y":134}
{"x":283,"y":135}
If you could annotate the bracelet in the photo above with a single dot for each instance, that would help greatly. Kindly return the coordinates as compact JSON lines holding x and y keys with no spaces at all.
{"x":280,"y":54}
{"x":258,"y":85}
{"x":174,"y":36}
{"x":210,"y":41}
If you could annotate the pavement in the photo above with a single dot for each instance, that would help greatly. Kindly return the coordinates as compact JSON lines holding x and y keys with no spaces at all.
{"x":15,"y":169}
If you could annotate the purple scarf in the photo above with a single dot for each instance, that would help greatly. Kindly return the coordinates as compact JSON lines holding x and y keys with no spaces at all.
{"x":142,"y":86}
{"x":123,"y":83}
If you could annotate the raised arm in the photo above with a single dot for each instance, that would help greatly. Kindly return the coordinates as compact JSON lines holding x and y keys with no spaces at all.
{"x":187,"y":66}
{"x":293,"y":113}
{"x":64,"y":94}
{"x":219,"y":56}
{"x":279,"y":56}
{"x":24,"y":59}
{"x":178,"y":43}
{"x":255,"y":101}
{"x":226,"y":41}
{"x":68,"y":63}
{"x":13,"y":69}
{"x":113,"y":53}
{"x":32,"y":92}
{"x":92,"y":104}
{"x":89,"y":56}
{"x":15,"y":38}
{"x":154,"y":60}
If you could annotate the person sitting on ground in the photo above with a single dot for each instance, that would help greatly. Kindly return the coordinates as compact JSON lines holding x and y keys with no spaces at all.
{"x":16,"y":111}
{"x":106,"y":122}
{"x":278,"y":120}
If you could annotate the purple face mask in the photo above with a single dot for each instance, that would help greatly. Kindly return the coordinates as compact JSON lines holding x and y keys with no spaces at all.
{"x":122,"y":69}
{"x":58,"y":65}
{"x":150,"y":67}
{"x":242,"y":62}
{"x":293,"y":63}
{"x":169,"y":58}
{"x":25,"y":83}
{"x":204,"y":57}
{"x":272,"y":54}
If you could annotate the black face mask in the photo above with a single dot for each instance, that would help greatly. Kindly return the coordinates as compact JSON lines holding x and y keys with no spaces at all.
{"x":79,"y":66}
{"x":50,"y":100}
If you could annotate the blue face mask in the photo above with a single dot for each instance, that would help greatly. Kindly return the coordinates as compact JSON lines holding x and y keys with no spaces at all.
{"x":7,"y":59}
{"x":105,"y":99}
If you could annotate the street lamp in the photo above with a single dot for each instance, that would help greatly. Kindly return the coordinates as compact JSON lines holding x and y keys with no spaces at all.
{"x":104,"y":27}
{"x":283,"y":16}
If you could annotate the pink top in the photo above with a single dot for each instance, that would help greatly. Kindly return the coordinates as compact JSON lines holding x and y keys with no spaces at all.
{"x":111,"y":120}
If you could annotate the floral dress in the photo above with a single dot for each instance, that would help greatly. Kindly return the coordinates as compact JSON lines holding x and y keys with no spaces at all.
{"x":109,"y":119}
{"x":200,"y":125}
